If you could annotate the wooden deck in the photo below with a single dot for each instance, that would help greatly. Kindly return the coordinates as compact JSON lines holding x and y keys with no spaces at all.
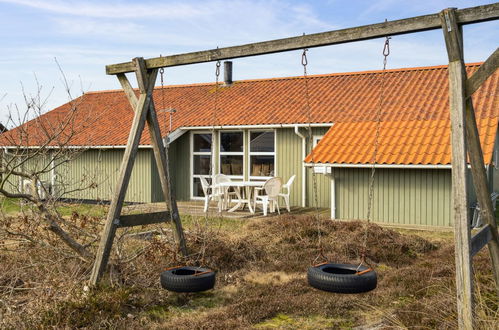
{"x":195,"y":208}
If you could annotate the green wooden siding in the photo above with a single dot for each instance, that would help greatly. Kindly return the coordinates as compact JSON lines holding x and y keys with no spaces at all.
{"x":401,"y":196}
{"x":323,"y":182}
{"x":290,"y":161}
{"x":180,"y":167}
{"x":101,"y":167}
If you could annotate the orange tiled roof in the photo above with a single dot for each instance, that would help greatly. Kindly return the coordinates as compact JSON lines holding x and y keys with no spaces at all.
{"x":415,"y":125}
{"x":348,"y":100}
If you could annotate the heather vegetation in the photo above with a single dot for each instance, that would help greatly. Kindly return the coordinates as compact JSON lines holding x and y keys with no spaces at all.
{"x":261,"y":283}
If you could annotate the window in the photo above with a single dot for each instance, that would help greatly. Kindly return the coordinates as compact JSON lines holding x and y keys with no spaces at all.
{"x":232,"y":154}
{"x":262,"y":154}
{"x":201,"y":159}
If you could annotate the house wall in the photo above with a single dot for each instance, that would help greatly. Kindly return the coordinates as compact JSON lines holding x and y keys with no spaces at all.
{"x":494,"y":168}
{"x":101,"y":167}
{"x":290,"y":161}
{"x":420,"y":197}
{"x":179,"y":156}
{"x":323,"y":182}
{"x":27,"y":164}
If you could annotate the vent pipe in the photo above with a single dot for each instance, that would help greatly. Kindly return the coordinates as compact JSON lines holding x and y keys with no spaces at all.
{"x":228,"y":73}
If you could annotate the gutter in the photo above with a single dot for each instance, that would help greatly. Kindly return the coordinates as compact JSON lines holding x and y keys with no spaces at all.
{"x":257,"y":126}
{"x":303,"y":168}
{"x":333,"y":196}
{"x":379,"y":166}
{"x":76,"y":147}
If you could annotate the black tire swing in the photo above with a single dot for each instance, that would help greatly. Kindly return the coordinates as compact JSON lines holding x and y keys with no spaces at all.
{"x":187,"y":279}
{"x":346,"y":278}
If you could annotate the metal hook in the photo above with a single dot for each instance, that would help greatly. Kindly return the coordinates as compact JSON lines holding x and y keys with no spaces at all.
{"x":217,"y":70}
{"x":304,"y":60}
{"x":386,"y":48}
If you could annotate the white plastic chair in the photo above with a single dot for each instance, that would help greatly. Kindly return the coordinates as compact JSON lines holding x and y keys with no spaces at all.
{"x":287,"y":191}
{"x":272,"y":187}
{"x":209,"y":193}
{"x":222,"y":192}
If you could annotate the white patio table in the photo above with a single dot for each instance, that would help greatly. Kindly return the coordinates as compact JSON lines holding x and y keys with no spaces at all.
{"x":248,"y":186}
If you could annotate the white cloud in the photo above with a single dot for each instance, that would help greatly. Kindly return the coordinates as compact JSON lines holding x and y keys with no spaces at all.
{"x":114,"y":10}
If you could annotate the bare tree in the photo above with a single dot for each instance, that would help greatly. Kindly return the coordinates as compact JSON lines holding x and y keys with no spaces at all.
{"x":30,"y":157}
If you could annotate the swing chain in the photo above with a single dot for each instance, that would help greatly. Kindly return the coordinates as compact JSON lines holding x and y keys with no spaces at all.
{"x":386,"y":53}
{"x":304,"y":63}
{"x":214,"y":120}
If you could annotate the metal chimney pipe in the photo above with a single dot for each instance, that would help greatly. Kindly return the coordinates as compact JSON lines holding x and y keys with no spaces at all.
{"x":228,"y":72}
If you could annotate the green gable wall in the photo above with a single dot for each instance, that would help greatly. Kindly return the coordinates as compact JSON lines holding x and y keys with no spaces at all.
{"x":290,"y":161}
{"x":417,"y":197}
{"x":102,"y":168}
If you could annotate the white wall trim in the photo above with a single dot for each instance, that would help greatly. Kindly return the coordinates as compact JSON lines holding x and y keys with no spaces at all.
{"x":303,"y":168}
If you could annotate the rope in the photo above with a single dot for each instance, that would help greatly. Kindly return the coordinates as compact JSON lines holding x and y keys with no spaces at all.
{"x":386,"y":53}
{"x":304,"y":63}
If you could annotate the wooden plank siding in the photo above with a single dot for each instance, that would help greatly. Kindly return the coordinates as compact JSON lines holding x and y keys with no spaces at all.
{"x":323,"y":182}
{"x":416,"y":197}
{"x":289,"y":161}
{"x":101,"y":167}
{"x":180,"y":167}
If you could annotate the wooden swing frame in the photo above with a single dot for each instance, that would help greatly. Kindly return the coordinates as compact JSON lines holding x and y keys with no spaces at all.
{"x":464,"y":133}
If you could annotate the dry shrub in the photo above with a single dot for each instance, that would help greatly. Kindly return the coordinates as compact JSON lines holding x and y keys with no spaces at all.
{"x":261,"y":279}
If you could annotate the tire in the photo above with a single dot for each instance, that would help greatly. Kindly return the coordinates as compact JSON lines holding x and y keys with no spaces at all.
{"x":183,"y":279}
{"x":341,"y":278}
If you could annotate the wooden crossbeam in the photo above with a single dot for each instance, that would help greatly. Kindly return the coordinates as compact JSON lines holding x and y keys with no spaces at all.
{"x":132,"y":220}
{"x":484,"y":71}
{"x":403,"y":26}
{"x":480,"y":239}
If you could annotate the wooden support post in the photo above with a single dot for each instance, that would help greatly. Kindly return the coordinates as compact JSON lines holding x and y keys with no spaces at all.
{"x":462,"y":236}
{"x":475,"y":154}
{"x":481,"y":185}
{"x":142,"y":107}
{"x":161,"y":157}
{"x":162,"y":165}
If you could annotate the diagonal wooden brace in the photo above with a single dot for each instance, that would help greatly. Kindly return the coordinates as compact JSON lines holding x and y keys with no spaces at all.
{"x":142,"y":107}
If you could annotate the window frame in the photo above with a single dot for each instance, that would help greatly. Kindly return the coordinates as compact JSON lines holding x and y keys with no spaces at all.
{"x":316,"y":139}
{"x":193,"y":153}
{"x":231,"y":153}
{"x":261,"y":153}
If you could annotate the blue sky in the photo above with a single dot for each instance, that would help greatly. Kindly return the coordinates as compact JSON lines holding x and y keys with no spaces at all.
{"x":84,"y":36}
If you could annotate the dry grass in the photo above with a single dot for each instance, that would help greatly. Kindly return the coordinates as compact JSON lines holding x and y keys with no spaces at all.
{"x":261,"y":282}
